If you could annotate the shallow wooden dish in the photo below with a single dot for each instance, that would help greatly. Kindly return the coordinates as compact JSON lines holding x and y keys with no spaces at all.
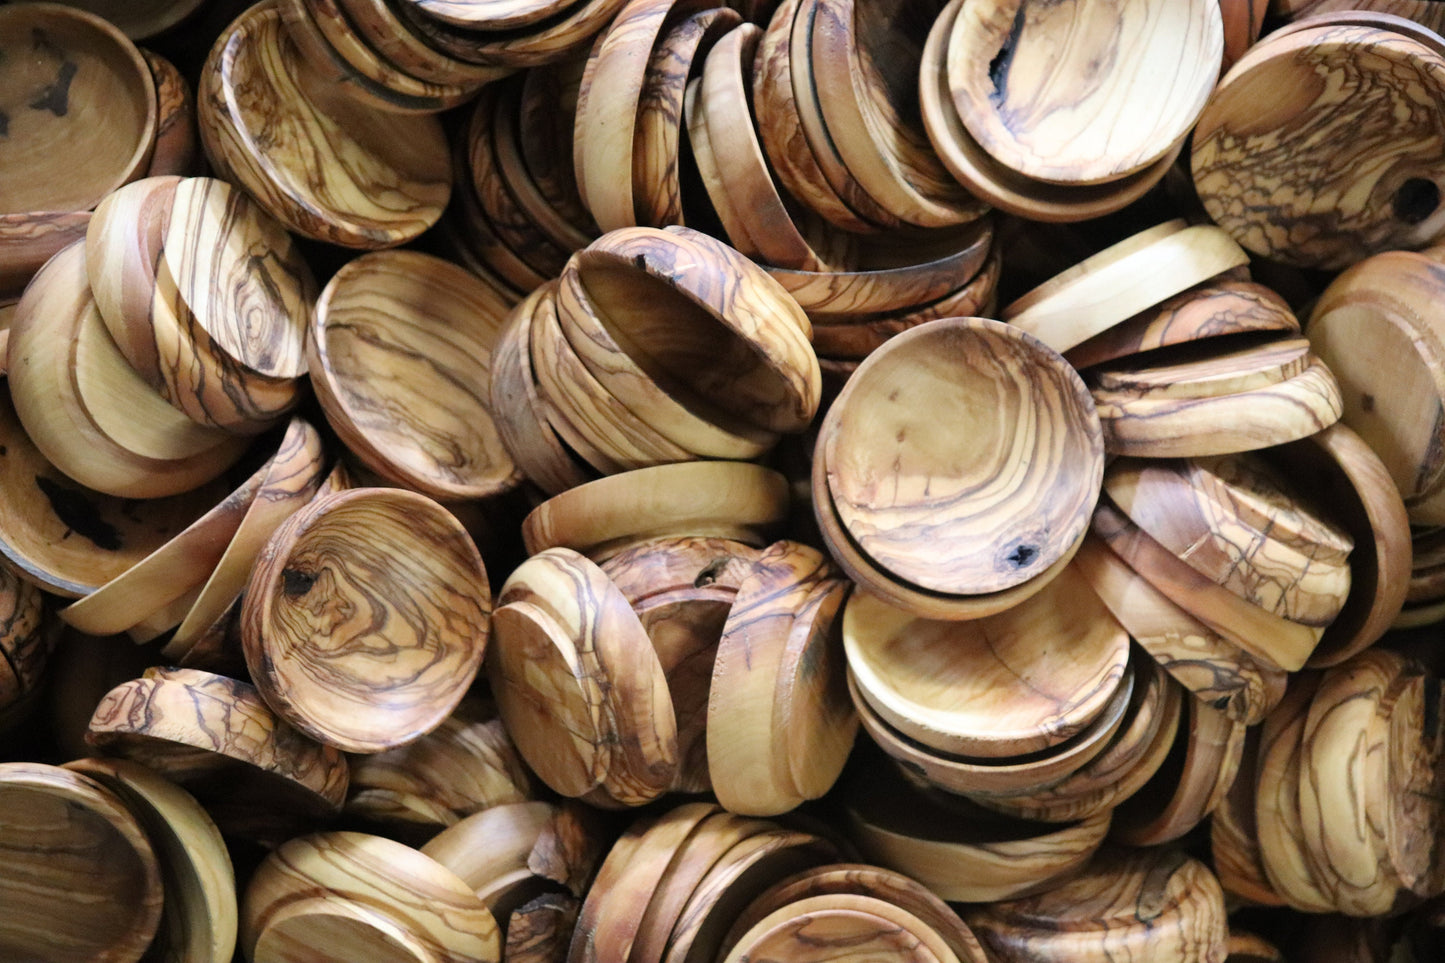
{"x":1100,"y":915}
{"x":921,"y":500}
{"x":217,"y":737}
{"x":371,"y":897}
{"x":90,"y":413}
{"x":997,"y":687}
{"x":1027,"y":82}
{"x":81,"y":882}
{"x":367,"y":682}
{"x":71,"y":540}
{"x":199,"y":922}
{"x":322,"y":178}
{"x":727,"y":499}
{"x":79,"y":100}
{"x":1393,"y":202}
{"x":431,"y":327}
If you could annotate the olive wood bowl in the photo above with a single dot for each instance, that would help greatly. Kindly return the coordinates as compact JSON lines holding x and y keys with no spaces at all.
{"x":80,"y":102}
{"x":366,"y":643}
{"x":177,"y":139}
{"x":902,"y":474}
{"x":28,"y":240}
{"x":82,"y":881}
{"x":431,"y":327}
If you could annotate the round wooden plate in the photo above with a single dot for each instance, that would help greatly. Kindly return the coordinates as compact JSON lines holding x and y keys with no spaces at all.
{"x":923,"y":499}
{"x":1021,"y":682}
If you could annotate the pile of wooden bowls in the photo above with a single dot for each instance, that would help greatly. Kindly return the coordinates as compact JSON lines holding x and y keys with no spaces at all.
{"x":1263,"y":179}
{"x":683,"y":662}
{"x":122,"y":114}
{"x":1341,"y":809}
{"x":654,"y":347}
{"x":1036,"y":107}
{"x":955,"y":473}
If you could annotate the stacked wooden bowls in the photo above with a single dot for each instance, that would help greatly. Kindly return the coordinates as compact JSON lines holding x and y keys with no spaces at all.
{"x":1035,"y":107}
{"x":1356,"y":746}
{"x":950,"y":522}
{"x":655,"y":346}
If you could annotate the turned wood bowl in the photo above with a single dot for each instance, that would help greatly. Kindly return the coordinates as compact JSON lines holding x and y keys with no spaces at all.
{"x":80,"y":105}
{"x":1020,"y":682}
{"x":1058,"y":93}
{"x":365,"y":618}
{"x":199,"y":882}
{"x":963,"y":457}
{"x":343,"y":173}
{"x":178,"y":142}
{"x":81,"y":881}
{"x":400,"y":353}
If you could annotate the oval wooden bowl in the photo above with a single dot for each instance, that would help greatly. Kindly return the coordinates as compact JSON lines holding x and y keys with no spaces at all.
{"x":292,"y":477}
{"x":1391,"y":203}
{"x":1099,"y":915}
{"x":898,"y":480}
{"x":71,"y":540}
{"x":726,"y":499}
{"x":324,"y":178}
{"x":75,"y":394}
{"x":431,"y":327}
{"x":961,"y":851}
{"x":199,"y":882}
{"x":368,"y":898}
{"x":1027,"y":82}
{"x":669,"y":404}
{"x":997,"y":687}
{"x":367,"y":643}
{"x":753,"y":336}
{"x":82,"y":881}
{"x":997,"y":184}
{"x":80,"y":101}
{"x":1217,"y":308}
{"x":30,"y":239}
{"x":996,"y":778}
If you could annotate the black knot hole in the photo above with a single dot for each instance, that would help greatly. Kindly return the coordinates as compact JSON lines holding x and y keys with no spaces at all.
{"x":1416,"y":200}
{"x":1022,"y":556}
{"x":295,"y":582}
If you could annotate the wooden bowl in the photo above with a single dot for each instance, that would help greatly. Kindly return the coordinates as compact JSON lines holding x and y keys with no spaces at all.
{"x":380,"y":26}
{"x":199,"y":883}
{"x":79,"y":100}
{"x":727,"y":499}
{"x":840,"y":923}
{"x":368,"y":642}
{"x":368,"y":898}
{"x":324,"y":179}
{"x":71,"y":540}
{"x":90,"y":413}
{"x":216,"y":736}
{"x":431,"y":327}
{"x":558,"y":38}
{"x":753,"y":336}
{"x":28,"y":240}
{"x":142,"y":20}
{"x":25,"y":641}
{"x":1004,"y":686}
{"x":1100,"y":914}
{"x":1392,"y":201}
{"x":177,"y":141}
{"x":1027,"y":82}
{"x":491,"y":846}
{"x":81,"y":880}
{"x":901,"y":480}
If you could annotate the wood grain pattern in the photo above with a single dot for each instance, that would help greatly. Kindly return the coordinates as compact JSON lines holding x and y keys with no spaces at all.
{"x":195,"y":727}
{"x":314,"y":164}
{"x":123,"y":246}
{"x":28,"y":240}
{"x":177,"y":141}
{"x":555,"y":39}
{"x":1215,"y":374}
{"x":1215,"y":670}
{"x":1029,"y":83}
{"x":1260,"y":177}
{"x":378,"y":25}
{"x":1195,"y":509}
{"x":925,"y":503}
{"x":367,"y":642}
{"x":25,"y":641}
{"x":401,"y":357}
{"x":1234,"y":834}
{"x":1213,"y":309}
{"x":571,"y":847}
{"x":540,"y":930}
{"x":491,"y":844}
{"x":82,"y":882}
{"x":908,"y":934}
{"x":1128,"y":905}
{"x":493,"y":16}
{"x":1420,"y":11}
{"x":842,"y":934}
{"x":554,"y":227}
{"x":80,"y":101}
{"x":363,"y":896}
{"x":621,"y":670}
{"x":198,"y":921}
{"x":1004,"y":686}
